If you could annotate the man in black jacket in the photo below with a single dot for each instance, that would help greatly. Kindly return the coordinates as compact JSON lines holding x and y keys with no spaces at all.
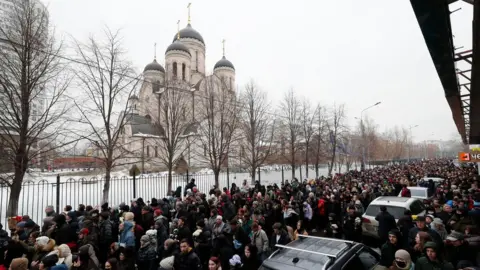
{"x":386,"y":223}
{"x":105,"y":236}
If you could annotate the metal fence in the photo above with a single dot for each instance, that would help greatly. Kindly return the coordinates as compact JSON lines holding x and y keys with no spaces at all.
{"x":61,"y":190}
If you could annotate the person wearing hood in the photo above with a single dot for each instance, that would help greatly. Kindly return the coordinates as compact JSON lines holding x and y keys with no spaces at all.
{"x":162,"y":234}
{"x":389,"y":249}
{"x":402,"y":261}
{"x":147,"y":254}
{"x":405,"y":224}
{"x":43,"y":246}
{"x":62,"y":233}
{"x":127,"y":237}
{"x":432,"y":259}
{"x":422,"y":227}
{"x":65,"y":255}
{"x":438,"y":226}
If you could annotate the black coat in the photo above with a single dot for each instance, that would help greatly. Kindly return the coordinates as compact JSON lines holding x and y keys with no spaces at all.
{"x":386,"y":222}
{"x":189,"y":261}
{"x":283,"y":240}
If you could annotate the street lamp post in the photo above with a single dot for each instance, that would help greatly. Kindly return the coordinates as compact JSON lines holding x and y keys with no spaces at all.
{"x":362,"y":130}
{"x":409,"y":145}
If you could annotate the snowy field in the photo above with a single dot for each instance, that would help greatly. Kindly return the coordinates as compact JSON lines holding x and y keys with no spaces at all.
{"x":40,"y":189}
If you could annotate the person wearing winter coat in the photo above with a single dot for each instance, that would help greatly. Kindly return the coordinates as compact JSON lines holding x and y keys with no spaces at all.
{"x":62,"y":233}
{"x":402,"y":261}
{"x":260,"y":240}
{"x":334,"y":227}
{"x":389,"y":248}
{"x":19,"y":264}
{"x":386,"y":223}
{"x":65,"y":255}
{"x":86,"y":259}
{"x":127,"y":237}
{"x":280,"y":237}
{"x":105,"y":236}
{"x":352,"y":226}
{"x":147,"y":254}
{"x":202,"y":242}
{"x":43,"y":246}
{"x":186,"y":259}
{"x":432,"y":259}
{"x":307,"y":215}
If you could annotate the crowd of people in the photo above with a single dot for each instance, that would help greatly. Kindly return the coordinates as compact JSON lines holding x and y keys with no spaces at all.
{"x":238,"y":227}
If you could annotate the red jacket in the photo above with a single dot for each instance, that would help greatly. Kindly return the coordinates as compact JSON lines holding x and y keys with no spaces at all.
{"x":321,"y":207}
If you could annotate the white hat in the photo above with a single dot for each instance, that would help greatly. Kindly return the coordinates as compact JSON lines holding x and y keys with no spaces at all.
{"x":219,"y":217}
{"x":42,"y":241}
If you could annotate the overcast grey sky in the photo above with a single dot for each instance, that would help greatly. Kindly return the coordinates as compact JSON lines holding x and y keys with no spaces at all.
{"x":352,"y":52}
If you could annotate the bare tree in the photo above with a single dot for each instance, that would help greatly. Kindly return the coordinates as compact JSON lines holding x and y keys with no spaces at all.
{"x":308,"y":117}
{"x":33,"y":81}
{"x":290,"y":108}
{"x":318,"y":142}
{"x":106,"y":81}
{"x":336,"y":129}
{"x":219,"y":123}
{"x":257,"y":125}
{"x":174,"y":124}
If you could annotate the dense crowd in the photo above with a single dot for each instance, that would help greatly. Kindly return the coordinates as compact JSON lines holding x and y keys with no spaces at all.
{"x":238,"y":227}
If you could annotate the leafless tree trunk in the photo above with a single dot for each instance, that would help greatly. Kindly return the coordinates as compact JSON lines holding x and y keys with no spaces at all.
{"x":257,"y":125}
{"x":290,"y":108}
{"x":175,"y":124}
{"x":219,"y":123}
{"x":308,"y":117}
{"x":106,"y":81}
{"x":336,"y":129}
{"x":320,"y":125}
{"x":33,"y":81}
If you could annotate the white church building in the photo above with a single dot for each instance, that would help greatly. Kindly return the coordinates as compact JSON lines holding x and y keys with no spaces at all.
{"x":184,"y":65}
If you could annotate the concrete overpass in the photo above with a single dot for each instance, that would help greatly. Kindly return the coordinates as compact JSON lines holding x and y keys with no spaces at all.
{"x":461,"y":87}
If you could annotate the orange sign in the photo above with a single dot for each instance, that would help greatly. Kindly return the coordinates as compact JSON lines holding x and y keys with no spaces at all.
{"x":469,"y":157}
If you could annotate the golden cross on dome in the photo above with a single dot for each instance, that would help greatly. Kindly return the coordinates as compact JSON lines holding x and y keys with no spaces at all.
{"x":188,"y":7}
{"x":178,"y":29}
{"x":223,"y":43}
{"x":155,"y":51}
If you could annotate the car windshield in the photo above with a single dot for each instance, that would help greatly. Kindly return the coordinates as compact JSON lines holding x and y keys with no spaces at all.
{"x":418,"y":193}
{"x":396,"y":211}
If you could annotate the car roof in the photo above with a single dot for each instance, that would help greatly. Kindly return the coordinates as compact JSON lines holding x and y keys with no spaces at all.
{"x":312,"y":253}
{"x":393,"y":201}
{"x":426,"y":178}
{"x":418,"y":188}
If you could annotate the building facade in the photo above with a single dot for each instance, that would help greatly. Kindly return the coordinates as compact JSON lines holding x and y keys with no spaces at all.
{"x":178,"y":85}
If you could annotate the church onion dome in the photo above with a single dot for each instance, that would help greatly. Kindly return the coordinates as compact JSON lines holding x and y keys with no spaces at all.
{"x":177,"y":45}
{"x":189,"y":32}
{"x":224,"y":63}
{"x":154,"y":66}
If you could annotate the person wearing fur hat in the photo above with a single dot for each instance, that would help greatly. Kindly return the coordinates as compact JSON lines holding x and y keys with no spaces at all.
{"x":43,"y":246}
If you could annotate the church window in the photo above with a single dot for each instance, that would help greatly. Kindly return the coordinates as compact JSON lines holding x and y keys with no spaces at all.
{"x":156,"y":151}
{"x":196,"y":60}
{"x":230,"y":83}
{"x":184,"y":70}
{"x":204,"y":150}
{"x":148,"y":150}
{"x":174,"y":70}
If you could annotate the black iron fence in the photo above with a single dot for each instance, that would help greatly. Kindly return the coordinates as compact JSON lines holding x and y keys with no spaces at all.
{"x":59,"y":191}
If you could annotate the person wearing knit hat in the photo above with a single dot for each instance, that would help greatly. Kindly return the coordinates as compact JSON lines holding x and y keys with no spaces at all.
{"x":19,"y":264}
{"x":42,"y":241}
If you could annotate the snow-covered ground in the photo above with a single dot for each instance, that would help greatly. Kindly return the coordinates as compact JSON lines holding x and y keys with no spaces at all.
{"x":40,"y":189}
